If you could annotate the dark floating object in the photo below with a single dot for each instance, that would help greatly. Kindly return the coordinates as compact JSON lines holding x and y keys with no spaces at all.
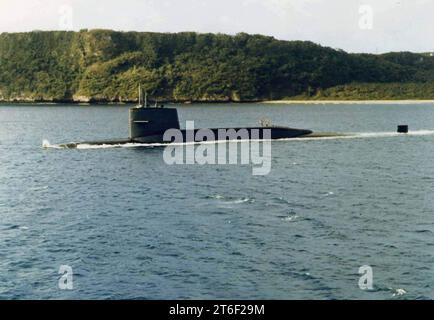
{"x":403,"y":128}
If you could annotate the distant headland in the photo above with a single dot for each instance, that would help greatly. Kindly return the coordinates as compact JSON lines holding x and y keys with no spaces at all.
{"x":104,"y":66}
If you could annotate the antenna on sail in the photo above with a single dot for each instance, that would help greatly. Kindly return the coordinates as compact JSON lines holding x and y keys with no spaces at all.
{"x":140,"y":97}
{"x":143,"y":103}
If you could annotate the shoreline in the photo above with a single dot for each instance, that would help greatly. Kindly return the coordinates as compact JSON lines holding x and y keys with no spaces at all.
{"x":387,"y":102}
{"x":288,"y":102}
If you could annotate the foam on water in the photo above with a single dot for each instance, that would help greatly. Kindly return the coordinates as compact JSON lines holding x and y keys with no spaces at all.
{"x":225,"y":201}
{"x":398,"y":292}
{"x":84,"y":146}
{"x":238,"y":201}
{"x":290,"y":218}
{"x":364,"y":135}
{"x":47,"y":145}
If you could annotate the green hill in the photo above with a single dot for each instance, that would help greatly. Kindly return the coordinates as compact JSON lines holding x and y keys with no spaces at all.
{"x":107,"y":66}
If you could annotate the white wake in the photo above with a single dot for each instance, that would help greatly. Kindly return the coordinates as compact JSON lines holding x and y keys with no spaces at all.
{"x":356,"y":135}
{"x":364,"y":135}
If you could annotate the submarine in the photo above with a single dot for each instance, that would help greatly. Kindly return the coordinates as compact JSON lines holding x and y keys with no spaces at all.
{"x":148,"y":124}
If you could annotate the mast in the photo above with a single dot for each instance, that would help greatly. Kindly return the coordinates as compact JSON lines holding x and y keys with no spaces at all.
{"x":146,"y":100}
{"x":140,"y":95}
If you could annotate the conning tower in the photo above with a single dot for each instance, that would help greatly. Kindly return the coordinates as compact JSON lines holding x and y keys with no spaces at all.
{"x":148,"y":124}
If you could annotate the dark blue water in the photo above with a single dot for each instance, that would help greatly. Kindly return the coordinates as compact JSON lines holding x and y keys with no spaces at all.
{"x":131,"y":226}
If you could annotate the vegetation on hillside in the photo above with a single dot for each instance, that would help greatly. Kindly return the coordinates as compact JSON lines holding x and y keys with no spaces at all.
{"x":104,"y":65}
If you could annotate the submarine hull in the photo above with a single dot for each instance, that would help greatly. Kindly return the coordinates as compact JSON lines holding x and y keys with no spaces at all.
{"x":189,"y":136}
{"x":228,"y":134}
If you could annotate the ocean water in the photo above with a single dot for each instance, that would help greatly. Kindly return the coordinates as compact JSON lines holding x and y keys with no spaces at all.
{"x":132,"y":227}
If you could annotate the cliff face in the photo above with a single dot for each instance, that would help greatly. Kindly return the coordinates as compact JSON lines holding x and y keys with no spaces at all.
{"x":107,"y":66}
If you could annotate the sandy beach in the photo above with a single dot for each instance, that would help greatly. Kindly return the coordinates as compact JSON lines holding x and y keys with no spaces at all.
{"x":349,"y":101}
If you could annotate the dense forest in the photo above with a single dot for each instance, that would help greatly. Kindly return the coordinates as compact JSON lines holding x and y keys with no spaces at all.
{"x":107,"y":66}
